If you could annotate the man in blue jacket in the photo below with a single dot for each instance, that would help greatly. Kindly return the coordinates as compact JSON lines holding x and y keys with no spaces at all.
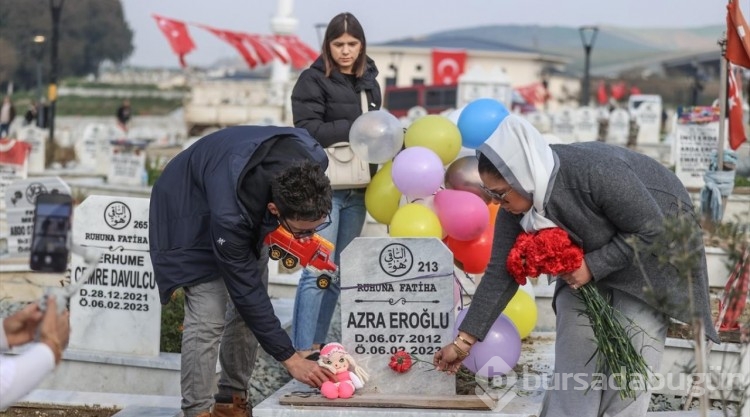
{"x":210,"y":211}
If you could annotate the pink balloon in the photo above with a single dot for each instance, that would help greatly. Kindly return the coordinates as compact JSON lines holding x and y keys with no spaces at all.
{"x":463,"y":215}
{"x":498,"y":353}
{"x":417,"y":172}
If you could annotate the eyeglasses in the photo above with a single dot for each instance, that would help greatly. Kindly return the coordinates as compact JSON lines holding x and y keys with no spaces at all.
{"x":500,"y":197}
{"x":301,"y":234}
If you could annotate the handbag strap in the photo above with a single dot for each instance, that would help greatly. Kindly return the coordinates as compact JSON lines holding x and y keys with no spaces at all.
{"x":363,"y":97}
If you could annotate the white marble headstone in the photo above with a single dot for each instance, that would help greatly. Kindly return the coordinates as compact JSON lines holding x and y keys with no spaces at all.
{"x":648,"y":115}
{"x":20,"y":199}
{"x":126,"y":164}
{"x":541,"y":121}
{"x":118,"y":310}
{"x":619,"y":127}
{"x":37,"y":138}
{"x":692,"y":149}
{"x":92,"y":149}
{"x":14,"y":164}
{"x":397,"y":294}
{"x":563,"y":126}
{"x":586,"y":124}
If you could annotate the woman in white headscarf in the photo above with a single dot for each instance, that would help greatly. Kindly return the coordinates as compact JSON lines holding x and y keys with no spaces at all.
{"x":602,"y":196}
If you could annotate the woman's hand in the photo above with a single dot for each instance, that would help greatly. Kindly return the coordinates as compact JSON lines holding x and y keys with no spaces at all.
{"x":449,"y":358}
{"x":579,"y":277}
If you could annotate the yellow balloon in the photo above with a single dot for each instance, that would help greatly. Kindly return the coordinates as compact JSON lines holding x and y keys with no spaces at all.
{"x":521,"y":310}
{"x":436,"y":133}
{"x":415,"y":220}
{"x":382,"y":196}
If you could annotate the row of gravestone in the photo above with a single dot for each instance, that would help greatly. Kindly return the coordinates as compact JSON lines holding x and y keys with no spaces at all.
{"x":585,"y":124}
{"x":397,"y":294}
{"x":120,"y":161}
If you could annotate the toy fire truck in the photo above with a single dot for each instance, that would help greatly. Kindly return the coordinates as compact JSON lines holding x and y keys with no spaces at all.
{"x":313,"y":253}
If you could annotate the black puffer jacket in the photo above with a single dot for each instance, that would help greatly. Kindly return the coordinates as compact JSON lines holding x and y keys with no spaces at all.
{"x":327,"y":106}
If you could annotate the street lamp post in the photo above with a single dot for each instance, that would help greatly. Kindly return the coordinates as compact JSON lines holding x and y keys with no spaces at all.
{"x":588,"y":36}
{"x":56,"y":9}
{"x":38,"y":52}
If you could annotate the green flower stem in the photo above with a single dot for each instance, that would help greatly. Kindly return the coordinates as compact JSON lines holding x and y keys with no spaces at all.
{"x":614,"y":351}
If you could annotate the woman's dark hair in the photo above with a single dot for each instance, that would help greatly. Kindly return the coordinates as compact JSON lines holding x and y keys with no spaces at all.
{"x":344,"y":23}
{"x":302,"y":192}
{"x":485,"y":166}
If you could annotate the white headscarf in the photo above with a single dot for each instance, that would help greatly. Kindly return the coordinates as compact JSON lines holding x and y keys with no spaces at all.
{"x":526,"y":161}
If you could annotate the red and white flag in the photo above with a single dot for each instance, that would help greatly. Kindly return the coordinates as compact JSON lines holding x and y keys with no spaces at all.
{"x":447,"y":66}
{"x":738,"y":36}
{"x":533,"y":93}
{"x":237,"y":40}
{"x":178,"y":36}
{"x":263,"y":50}
{"x":298,"y":56}
{"x":601,"y":93}
{"x":734,"y":109}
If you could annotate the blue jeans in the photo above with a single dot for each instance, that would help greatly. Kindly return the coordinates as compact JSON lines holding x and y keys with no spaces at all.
{"x":313,"y":307}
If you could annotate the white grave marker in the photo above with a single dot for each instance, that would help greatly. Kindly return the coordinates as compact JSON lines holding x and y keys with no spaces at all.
{"x":127,"y":163}
{"x":696,"y":136}
{"x":14,"y":163}
{"x":397,"y":294}
{"x":20,"y":199}
{"x":92,"y":149}
{"x":619,"y":127}
{"x":541,"y":121}
{"x":586,"y":125}
{"x":647,"y":112}
{"x":37,"y":138}
{"x":563,"y":126}
{"x":118,"y":310}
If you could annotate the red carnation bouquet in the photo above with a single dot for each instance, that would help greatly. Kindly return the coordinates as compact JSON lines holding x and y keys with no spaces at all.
{"x":550,"y":251}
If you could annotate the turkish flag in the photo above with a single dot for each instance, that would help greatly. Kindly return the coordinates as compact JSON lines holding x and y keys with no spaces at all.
{"x":447,"y":66}
{"x":262,"y":48}
{"x":738,"y":44}
{"x":298,"y":55}
{"x":734,"y":103}
{"x":237,"y":40}
{"x":311,"y":53}
{"x":177,"y":35}
{"x":601,"y":93}
{"x":617,"y":90}
{"x":533,"y":93}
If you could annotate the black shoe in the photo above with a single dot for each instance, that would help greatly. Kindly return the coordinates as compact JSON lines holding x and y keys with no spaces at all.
{"x":313,"y":356}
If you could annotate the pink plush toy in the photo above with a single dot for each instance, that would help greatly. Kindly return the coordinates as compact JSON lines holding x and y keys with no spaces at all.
{"x":334,"y":357}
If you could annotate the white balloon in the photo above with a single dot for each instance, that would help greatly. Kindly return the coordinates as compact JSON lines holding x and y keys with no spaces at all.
{"x":376,"y":136}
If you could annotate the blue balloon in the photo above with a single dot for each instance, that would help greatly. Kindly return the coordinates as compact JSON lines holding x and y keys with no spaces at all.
{"x":479,"y":119}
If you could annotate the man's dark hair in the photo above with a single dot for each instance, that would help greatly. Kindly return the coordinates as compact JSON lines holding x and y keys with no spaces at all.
{"x":302,"y":192}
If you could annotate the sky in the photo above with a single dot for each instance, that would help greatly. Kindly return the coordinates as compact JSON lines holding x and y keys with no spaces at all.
{"x":385,"y":20}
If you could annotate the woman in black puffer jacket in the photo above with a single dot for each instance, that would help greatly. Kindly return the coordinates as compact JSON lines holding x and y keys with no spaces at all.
{"x":326,"y":100}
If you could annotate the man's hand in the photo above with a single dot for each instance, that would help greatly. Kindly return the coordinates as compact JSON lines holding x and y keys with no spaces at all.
{"x":55,"y":329}
{"x":307,"y":372}
{"x":21,"y":327}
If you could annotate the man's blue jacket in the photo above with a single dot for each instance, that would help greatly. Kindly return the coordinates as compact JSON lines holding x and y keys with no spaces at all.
{"x":199,"y":228}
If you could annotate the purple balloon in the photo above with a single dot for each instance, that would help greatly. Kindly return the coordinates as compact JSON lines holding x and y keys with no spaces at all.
{"x":417,"y":172}
{"x":498,"y":353}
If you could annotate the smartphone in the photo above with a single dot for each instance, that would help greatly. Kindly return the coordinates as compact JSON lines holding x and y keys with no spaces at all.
{"x":50,"y":243}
